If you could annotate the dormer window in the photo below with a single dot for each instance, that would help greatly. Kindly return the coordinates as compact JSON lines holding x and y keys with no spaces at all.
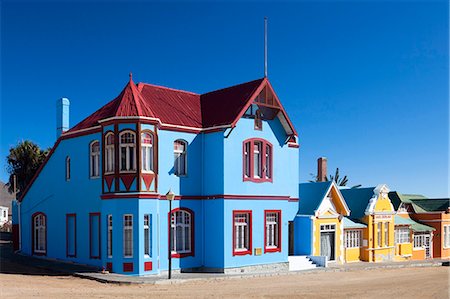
{"x":147,"y":152}
{"x":94,"y":155}
{"x":109,"y":153}
{"x":127,"y":151}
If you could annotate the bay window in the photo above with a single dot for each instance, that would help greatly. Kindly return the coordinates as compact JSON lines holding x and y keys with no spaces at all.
{"x":127,"y":151}
{"x":109,"y":153}
{"x":147,"y":152}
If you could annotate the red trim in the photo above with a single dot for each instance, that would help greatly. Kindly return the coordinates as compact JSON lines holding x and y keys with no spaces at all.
{"x":75,"y":234}
{"x":109,"y":179}
{"x":148,"y":266}
{"x":293,"y":145}
{"x":263,"y":177}
{"x":32,"y":234}
{"x":282,"y":109}
{"x":278,"y":249}
{"x":109,"y":266}
{"x":192,"y":253}
{"x":249,"y":251}
{"x":83,"y":133}
{"x":127,"y":180}
{"x":91,"y":217}
{"x":199,"y":197}
{"x":128,"y":267}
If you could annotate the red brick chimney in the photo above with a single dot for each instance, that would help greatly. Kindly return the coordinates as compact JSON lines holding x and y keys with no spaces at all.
{"x":321,"y":169}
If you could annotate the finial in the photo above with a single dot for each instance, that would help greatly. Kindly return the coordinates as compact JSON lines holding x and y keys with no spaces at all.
{"x":131,"y":76}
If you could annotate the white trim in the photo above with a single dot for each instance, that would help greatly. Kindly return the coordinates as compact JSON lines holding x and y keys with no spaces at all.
{"x":67,"y":133}
{"x":109,"y":243}
{"x":382,"y":191}
{"x":341,"y":198}
{"x":96,"y":164}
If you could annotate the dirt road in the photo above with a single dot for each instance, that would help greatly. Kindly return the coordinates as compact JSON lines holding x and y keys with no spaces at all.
{"x":427,"y":282}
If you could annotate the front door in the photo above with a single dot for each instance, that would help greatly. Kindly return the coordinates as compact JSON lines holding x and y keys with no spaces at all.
{"x":327,"y":245}
{"x":427,"y":245}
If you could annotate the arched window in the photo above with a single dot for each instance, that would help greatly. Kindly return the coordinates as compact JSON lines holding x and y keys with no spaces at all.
{"x":258,"y":120}
{"x":180,"y":157}
{"x":127,"y":151}
{"x":39,"y":221}
{"x":94,"y":155}
{"x":257,"y":160}
{"x":67,"y":168}
{"x":147,"y":151}
{"x":109,"y":153}
{"x":181,"y":225}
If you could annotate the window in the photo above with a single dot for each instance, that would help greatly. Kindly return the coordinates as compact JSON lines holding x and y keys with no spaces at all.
{"x":352,"y":238}
{"x":242,"y":232}
{"x":147,"y":152}
{"x":386,"y":234}
{"x":128,"y":235}
{"x":94,"y":235}
{"x":109,"y":236}
{"x":94,"y":153}
{"x":258,"y":120}
{"x":147,"y":235}
{"x":181,"y":225}
{"x":71,"y":235}
{"x":127,"y":151}
{"x":109,"y":153}
{"x":257,"y":160}
{"x":273,"y":231}
{"x":379,"y":234}
{"x":180,"y":160}
{"x":4,"y":214}
{"x":39,"y":233}
{"x":67,"y":168}
{"x":402,"y":235}
{"x":419,"y":240}
{"x":446,"y":236}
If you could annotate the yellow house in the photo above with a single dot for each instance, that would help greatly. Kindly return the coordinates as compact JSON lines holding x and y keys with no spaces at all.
{"x":373,"y":207}
{"x":353,"y":232}
{"x":319,"y":223}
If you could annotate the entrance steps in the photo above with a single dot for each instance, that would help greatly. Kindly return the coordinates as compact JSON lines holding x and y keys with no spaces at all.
{"x":300,"y":262}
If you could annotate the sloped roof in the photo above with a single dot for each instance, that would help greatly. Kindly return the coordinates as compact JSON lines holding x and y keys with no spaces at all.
{"x":311,"y":195}
{"x":357,"y":200}
{"x":179,"y":108}
{"x":415,"y":226}
{"x":431,"y":205}
{"x":397,"y":198}
{"x":349,"y":223}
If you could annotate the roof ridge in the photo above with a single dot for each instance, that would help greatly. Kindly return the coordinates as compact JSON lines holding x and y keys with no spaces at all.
{"x":232,"y":86}
{"x":168,"y":88}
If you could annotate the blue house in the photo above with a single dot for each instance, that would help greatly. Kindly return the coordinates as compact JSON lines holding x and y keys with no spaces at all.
{"x":230,"y":156}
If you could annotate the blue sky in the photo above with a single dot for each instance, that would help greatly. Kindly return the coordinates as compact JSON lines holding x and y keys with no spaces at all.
{"x":365,"y":83}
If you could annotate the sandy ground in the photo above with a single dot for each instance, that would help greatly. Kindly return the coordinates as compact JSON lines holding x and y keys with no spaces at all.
{"x":425,"y":282}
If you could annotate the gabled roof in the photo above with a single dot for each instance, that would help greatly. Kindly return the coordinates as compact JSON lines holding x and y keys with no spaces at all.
{"x":397,"y":198}
{"x":223,"y":107}
{"x":415,"y":226}
{"x":312,"y":194}
{"x":431,"y":205}
{"x":357,"y":200}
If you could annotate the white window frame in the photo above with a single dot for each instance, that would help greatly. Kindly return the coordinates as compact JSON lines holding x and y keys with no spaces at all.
{"x":109,"y":236}
{"x":147,"y":235}
{"x":179,"y":228}
{"x":180,"y":157}
{"x":446,"y":236}
{"x":67,"y":168}
{"x":268,"y":162}
{"x":109,"y":153}
{"x":40,"y":228}
{"x":242,"y":231}
{"x":272,"y":229}
{"x":257,"y":159}
{"x":419,"y":241}
{"x":386,"y":233}
{"x":94,"y":160}
{"x":147,"y":154}
{"x":128,"y":243}
{"x":379,"y":234}
{"x":402,"y":235}
{"x":353,"y":238}
{"x":130,"y":150}
{"x":247,"y":147}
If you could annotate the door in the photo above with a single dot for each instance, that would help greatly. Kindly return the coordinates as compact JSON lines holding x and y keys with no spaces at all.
{"x":427,"y":245}
{"x":327,"y":245}
{"x":291,"y":238}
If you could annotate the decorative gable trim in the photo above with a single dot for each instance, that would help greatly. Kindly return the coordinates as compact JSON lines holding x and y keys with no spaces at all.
{"x":382,"y":191}
{"x":325,"y":198}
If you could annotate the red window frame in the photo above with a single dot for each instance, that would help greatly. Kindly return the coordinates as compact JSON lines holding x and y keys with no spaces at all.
{"x":278,"y":248}
{"x":192,"y":220}
{"x":33,"y":233}
{"x":258,"y":125}
{"x":250,"y":237}
{"x":74,"y":216}
{"x":266,"y":177}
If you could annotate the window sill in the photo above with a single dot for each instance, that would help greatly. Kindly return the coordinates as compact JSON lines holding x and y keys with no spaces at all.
{"x":109,"y":173}
{"x":269,"y":250}
{"x":181,"y":255}
{"x":243,"y":252}
{"x":258,"y":180}
{"x":94,"y":177}
{"x":128,"y":257}
{"x":127,"y":172}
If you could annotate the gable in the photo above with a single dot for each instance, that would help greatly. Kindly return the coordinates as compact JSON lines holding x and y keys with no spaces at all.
{"x":380,"y":201}
{"x":321,"y":197}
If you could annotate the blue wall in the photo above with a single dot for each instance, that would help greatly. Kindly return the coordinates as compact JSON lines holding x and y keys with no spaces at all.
{"x":303,"y":235}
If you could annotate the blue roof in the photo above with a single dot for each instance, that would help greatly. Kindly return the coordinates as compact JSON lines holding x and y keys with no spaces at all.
{"x":311,"y":195}
{"x":348,"y":223}
{"x":357,"y":200}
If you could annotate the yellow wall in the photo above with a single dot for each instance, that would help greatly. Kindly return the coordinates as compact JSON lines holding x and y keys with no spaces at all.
{"x":337,"y":237}
{"x":403,"y":252}
{"x":352,"y":254}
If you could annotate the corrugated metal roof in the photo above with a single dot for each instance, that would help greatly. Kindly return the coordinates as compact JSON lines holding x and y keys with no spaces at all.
{"x":348,"y":223}
{"x":415,"y":226}
{"x":311,"y":195}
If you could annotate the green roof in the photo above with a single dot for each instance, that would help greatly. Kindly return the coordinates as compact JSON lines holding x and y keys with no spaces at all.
{"x":415,"y":226}
{"x":430,"y":205}
{"x":349,"y":223}
{"x":397,"y":198}
{"x":357,"y":200}
{"x":311,"y":195}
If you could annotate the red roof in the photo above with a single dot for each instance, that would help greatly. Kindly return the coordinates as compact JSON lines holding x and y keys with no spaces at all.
{"x":176,"y":107}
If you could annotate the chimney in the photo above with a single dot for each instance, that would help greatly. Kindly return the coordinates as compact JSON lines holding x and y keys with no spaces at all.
{"x":62,"y":116}
{"x":321,"y":169}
